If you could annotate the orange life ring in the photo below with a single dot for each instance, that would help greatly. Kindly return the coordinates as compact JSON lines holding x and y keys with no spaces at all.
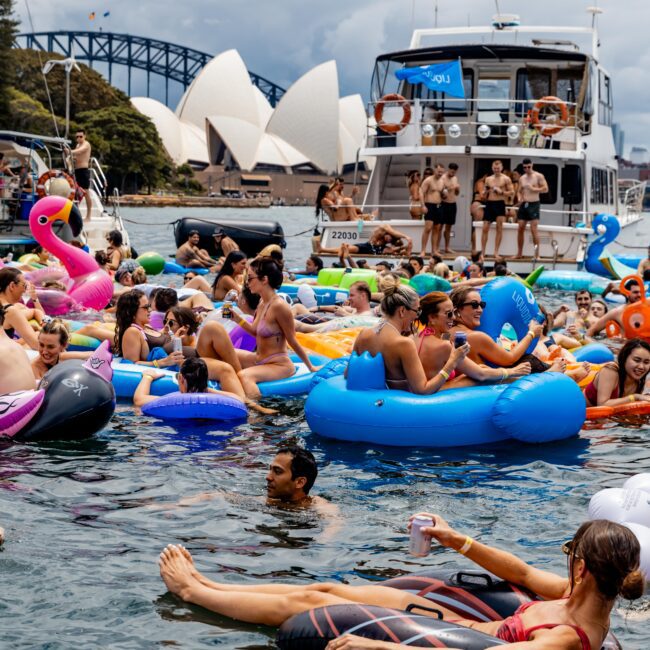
{"x":546,"y":128}
{"x":55,"y":173}
{"x":392,"y":127}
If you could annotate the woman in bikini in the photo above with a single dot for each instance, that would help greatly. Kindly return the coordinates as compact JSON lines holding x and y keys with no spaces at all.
{"x":229,"y":277}
{"x":603,"y":563}
{"x":273,"y":328}
{"x":17,"y":315}
{"x":400,"y":307}
{"x":437,"y":317}
{"x":416,"y":209}
{"x":623,"y":381}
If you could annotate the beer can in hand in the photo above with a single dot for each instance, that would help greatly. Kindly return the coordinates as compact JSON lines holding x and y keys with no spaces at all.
{"x":420,"y":544}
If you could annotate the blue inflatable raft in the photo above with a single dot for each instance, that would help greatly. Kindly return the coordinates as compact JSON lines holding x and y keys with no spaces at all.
{"x":538,"y":408}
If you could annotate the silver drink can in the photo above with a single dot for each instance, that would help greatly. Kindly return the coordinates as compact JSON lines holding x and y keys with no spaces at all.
{"x":420,"y":544}
{"x":177,"y":343}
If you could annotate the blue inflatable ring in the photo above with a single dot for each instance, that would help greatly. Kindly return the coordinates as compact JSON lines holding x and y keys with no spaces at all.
{"x":199,"y":406}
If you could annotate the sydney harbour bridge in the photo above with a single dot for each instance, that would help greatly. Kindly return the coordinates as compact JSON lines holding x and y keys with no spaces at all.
{"x":174,"y":63}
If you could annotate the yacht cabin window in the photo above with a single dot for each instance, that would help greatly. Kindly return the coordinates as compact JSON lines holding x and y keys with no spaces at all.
{"x":604,"y":99}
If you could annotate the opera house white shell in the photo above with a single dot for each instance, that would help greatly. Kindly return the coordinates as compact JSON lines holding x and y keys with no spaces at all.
{"x":224,"y":119}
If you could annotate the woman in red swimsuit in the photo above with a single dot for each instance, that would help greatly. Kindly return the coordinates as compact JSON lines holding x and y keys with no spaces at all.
{"x":574,"y":615}
{"x":622,"y":381}
{"x":437,"y":316}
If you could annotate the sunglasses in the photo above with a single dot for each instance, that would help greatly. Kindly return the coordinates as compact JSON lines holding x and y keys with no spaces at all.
{"x":147,"y":307}
{"x":567,"y":548}
{"x":187,"y":278}
{"x":449,"y":314}
{"x":170,"y":321}
{"x":475,"y":304}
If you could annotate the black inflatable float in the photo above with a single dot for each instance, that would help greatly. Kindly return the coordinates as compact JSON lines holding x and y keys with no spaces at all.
{"x":251,"y":236}
{"x":473,"y":595}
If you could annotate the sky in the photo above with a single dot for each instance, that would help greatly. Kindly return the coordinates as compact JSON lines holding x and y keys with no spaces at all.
{"x":283,"y":39}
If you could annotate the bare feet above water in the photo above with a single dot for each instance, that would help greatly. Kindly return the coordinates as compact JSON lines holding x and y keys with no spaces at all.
{"x":177,"y":569}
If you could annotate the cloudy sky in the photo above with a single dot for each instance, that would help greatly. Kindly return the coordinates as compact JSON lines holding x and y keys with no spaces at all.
{"x":282,"y":39}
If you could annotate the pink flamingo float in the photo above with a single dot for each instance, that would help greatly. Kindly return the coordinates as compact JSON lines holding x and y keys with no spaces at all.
{"x":92,"y":287}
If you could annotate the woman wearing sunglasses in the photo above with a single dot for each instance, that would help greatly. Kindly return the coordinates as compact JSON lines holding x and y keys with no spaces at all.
{"x":404,"y":371}
{"x":273,"y":328}
{"x":573,"y":613}
{"x":437,"y":317}
{"x":468,"y":308}
{"x":182,"y":322}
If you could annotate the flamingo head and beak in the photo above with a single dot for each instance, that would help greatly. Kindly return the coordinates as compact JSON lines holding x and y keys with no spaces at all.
{"x":68,"y":212}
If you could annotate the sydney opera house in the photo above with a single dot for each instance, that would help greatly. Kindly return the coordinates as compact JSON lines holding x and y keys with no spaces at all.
{"x":225,"y":126}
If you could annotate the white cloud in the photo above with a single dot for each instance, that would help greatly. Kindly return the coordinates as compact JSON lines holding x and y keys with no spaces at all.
{"x":282,"y":39}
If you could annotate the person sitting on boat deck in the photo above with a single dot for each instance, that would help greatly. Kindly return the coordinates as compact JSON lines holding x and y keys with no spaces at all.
{"x":437,"y":318}
{"x":17,"y":315}
{"x":192,"y":378}
{"x":404,"y":371}
{"x":52,"y":345}
{"x":339,"y":207}
{"x":116,"y":250}
{"x":190,"y":255}
{"x":621,"y":381}
{"x":498,"y":187}
{"x":273,"y":328}
{"x":583,"y":300}
{"x":572,"y":614}
{"x":224,"y":244}
{"x":230,"y":277}
{"x":616,"y":314}
{"x":531,"y":185}
{"x":381,"y":241}
{"x":468,"y":308}
{"x":644,"y":265}
{"x":15,"y":369}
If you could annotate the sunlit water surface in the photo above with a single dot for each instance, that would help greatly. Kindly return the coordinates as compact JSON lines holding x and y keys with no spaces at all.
{"x":85,"y":521}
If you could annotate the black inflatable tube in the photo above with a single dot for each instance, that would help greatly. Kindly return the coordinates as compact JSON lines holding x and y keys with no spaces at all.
{"x":474,"y":595}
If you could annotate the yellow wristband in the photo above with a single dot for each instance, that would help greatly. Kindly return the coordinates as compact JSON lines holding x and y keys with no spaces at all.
{"x":632,"y":398}
{"x":155,"y":363}
{"x":445,"y":374}
{"x":466,"y":546}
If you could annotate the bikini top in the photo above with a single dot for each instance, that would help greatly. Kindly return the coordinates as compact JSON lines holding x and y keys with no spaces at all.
{"x":427,"y":331}
{"x":9,"y":331}
{"x":263,"y":329}
{"x":512,"y":629}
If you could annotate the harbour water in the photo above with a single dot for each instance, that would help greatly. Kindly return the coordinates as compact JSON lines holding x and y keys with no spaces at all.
{"x":85,"y":521}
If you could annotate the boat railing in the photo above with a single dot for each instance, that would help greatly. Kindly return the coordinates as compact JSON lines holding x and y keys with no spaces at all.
{"x":547,"y":123}
{"x":98,"y":180}
{"x":630,"y":198}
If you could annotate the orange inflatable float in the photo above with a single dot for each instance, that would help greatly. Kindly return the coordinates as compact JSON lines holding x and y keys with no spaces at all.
{"x":330,"y":344}
{"x":636,"y":317}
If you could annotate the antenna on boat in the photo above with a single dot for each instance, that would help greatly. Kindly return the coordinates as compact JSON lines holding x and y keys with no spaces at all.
{"x":435,"y":22}
{"x":594,"y":11}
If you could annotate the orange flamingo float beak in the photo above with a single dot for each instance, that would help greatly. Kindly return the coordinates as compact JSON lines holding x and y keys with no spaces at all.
{"x":68,"y":213}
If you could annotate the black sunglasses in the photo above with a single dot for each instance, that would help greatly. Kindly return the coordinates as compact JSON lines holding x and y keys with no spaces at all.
{"x":170,"y":321}
{"x":475,"y":304}
{"x":567,"y":548}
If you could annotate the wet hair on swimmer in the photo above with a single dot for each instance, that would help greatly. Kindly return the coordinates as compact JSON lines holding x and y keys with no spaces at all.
{"x":195,"y":373}
{"x":303,"y":464}
{"x":57,"y":326}
{"x":396,"y":297}
{"x":611,"y":553}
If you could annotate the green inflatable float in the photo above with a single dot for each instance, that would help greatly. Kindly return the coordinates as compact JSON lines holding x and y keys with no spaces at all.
{"x":153,"y":263}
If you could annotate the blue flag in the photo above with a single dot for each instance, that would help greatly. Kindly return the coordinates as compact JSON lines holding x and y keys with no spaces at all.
{"x":445,"y":77}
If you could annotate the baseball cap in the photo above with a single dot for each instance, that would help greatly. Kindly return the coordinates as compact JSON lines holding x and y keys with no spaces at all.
{"x":218,"y":232}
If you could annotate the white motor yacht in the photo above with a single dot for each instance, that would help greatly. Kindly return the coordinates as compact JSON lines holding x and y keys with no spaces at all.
{"x":40,"y":167}
{"x":530,"y":92}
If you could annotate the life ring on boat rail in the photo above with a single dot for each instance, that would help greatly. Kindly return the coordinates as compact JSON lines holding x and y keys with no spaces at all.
{"x":392,"y":127}
{"x":551,"y":124}
{"x":51,"y":174}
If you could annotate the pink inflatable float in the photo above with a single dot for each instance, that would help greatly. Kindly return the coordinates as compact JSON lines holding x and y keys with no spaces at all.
{"x":91,"y":287}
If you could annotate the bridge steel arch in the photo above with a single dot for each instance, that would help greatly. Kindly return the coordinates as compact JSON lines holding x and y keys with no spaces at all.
{"x":173,"y":62}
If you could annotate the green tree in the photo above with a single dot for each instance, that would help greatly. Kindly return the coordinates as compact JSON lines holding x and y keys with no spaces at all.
{"x":8,"y":32}
{"x":127,"y":145}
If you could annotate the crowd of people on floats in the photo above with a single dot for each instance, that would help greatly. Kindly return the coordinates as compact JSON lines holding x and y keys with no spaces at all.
{"x":429,"y":344}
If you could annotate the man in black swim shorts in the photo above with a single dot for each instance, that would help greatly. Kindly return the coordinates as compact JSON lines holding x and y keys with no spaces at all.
{"x":431,"y":196}
{"x":81,"y":155}
{"x":531,"y":185}
{"x":498,"y":188}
